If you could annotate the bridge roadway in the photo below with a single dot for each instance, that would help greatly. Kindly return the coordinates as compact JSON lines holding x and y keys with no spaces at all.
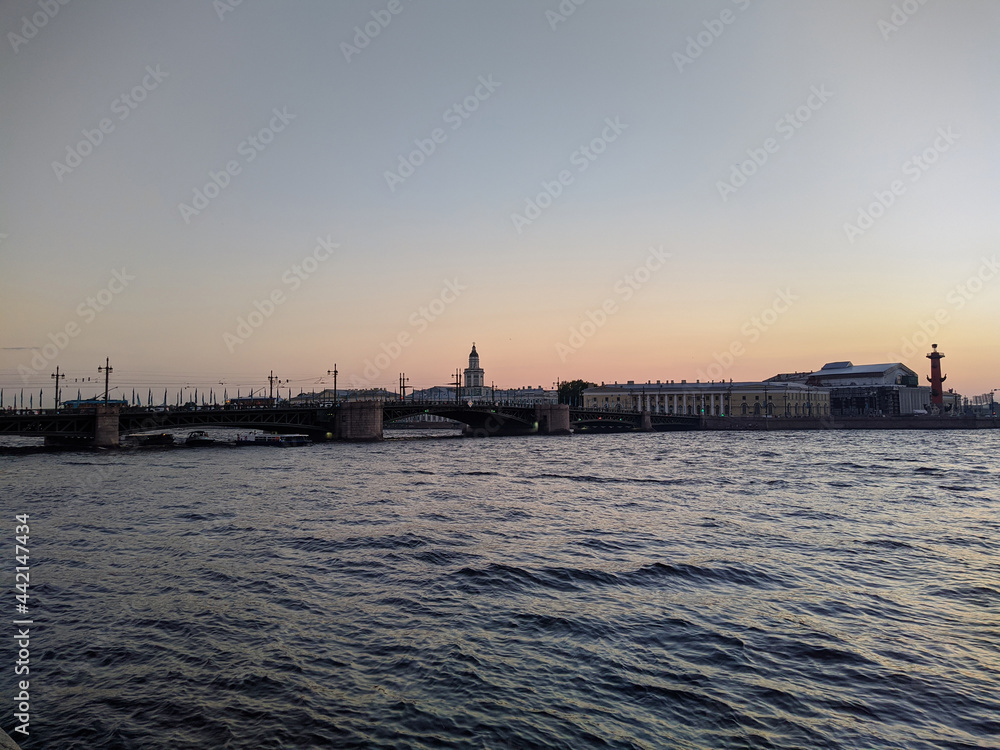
{"x":354,"y":420}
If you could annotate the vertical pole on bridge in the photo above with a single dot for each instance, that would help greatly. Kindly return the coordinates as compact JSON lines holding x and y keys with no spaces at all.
{"x":107,"y":369}
{"x":334,"y":373}
{"x":57,"y":377}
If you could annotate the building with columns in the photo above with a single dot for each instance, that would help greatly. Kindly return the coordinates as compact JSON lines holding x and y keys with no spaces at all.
{"x":720,"y":399}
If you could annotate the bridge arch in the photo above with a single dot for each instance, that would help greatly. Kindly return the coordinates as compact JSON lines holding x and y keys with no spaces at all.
{"x":482,"y":421}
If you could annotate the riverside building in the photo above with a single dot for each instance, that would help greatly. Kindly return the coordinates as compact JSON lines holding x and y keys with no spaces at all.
{"x":887,"y":389}
{"x":717,"y":399}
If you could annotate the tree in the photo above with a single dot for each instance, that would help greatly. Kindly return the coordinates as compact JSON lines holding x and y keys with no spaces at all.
{"x":571,"y":391}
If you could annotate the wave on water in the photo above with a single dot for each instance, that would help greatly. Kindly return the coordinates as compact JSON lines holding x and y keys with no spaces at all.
{"x":624,"y":591}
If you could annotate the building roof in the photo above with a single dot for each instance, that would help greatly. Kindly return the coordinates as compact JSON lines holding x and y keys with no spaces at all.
{"x":696,"y":386}
{"x":846,"y":369}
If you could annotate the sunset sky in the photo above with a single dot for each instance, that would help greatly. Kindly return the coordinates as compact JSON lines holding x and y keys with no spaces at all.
{"x":207,"y":192}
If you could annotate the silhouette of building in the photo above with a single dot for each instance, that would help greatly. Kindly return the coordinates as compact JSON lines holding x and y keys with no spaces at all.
{"x":474,"y":387}
{"x":887,"y":389}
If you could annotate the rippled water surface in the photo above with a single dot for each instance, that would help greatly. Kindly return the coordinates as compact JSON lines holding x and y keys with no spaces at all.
{"x":686,"y":590}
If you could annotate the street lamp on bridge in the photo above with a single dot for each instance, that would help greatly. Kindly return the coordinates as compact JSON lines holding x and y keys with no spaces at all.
{"x":334,"y":373}
{"x":107,"y":370}
{"x":57,"y":377}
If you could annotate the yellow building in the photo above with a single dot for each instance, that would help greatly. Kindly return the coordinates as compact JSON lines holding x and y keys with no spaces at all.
{"x":720,"y":399}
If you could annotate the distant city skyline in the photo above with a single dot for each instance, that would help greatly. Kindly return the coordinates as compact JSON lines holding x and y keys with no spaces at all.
{"x":605,"y":191}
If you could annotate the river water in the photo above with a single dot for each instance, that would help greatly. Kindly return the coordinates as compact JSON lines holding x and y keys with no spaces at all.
{"x":666,"y":590}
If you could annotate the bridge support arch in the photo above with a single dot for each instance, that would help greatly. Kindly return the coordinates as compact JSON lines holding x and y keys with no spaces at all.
{"x":552,"y":419}
{"x":359,"y":420}
{"x":106,"y":427}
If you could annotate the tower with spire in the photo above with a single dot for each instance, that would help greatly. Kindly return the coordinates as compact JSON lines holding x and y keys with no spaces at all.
{"x":475,"y":377}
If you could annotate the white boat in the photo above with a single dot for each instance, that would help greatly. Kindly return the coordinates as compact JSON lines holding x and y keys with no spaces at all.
{"x":281,"y":441}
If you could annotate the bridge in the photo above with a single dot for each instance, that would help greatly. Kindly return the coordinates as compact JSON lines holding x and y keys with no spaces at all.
{"x":104,"y":425}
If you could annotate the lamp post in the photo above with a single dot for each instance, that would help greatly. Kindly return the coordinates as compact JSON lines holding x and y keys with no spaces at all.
{"x":107,"y":370}
{"x":57,"y":377}
{"x":334,"y":373}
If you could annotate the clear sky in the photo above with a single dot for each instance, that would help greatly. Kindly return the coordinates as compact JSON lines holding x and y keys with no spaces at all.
{"x":610,"y":191}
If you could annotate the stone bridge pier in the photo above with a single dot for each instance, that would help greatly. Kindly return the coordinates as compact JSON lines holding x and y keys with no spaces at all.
{"x":552,"y":419}
{"x":106,"y":426}
{"x":359,"y":420}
